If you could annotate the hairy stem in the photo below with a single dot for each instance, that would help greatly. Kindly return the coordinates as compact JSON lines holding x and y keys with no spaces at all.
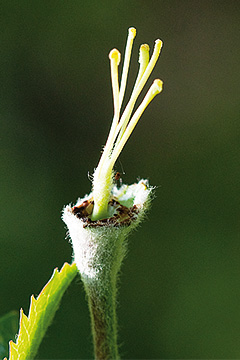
{"x":99,"y":274}
{"x":102,"y":306}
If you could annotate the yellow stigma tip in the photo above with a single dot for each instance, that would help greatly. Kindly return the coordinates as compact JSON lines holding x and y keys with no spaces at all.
{"x":158,"y":84}
{"x":132,"y":31}
{"x":159,"y":42}
{"x":144,"y":47}
{"x":115,"y":55}
{"x":144,"y":53}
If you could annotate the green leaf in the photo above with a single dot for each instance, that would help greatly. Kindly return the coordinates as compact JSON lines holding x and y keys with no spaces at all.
{"x":42,"y":310}
{"x":8,"y":330}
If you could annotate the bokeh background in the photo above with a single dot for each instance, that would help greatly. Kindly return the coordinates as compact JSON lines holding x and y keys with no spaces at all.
{"x":180,"y":283}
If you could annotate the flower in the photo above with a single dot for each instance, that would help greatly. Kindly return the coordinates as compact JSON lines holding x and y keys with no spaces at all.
{"x":99,"y":221}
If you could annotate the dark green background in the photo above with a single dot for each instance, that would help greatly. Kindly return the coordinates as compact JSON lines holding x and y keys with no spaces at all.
{"x":180,"y":284}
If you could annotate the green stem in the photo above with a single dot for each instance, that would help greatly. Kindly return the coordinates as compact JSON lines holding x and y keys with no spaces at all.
{"x":102,"y":306}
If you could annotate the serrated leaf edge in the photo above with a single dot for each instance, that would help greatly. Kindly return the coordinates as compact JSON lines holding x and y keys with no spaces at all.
{"x":26,"y":325}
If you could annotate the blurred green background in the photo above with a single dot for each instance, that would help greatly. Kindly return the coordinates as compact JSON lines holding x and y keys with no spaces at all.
{"x":180,"y":284}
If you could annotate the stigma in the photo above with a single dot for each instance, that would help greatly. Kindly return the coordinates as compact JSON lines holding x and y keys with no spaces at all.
{"x":124,"y":121}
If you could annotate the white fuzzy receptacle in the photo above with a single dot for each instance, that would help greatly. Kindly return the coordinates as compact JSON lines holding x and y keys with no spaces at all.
{"x":99,"y":246}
